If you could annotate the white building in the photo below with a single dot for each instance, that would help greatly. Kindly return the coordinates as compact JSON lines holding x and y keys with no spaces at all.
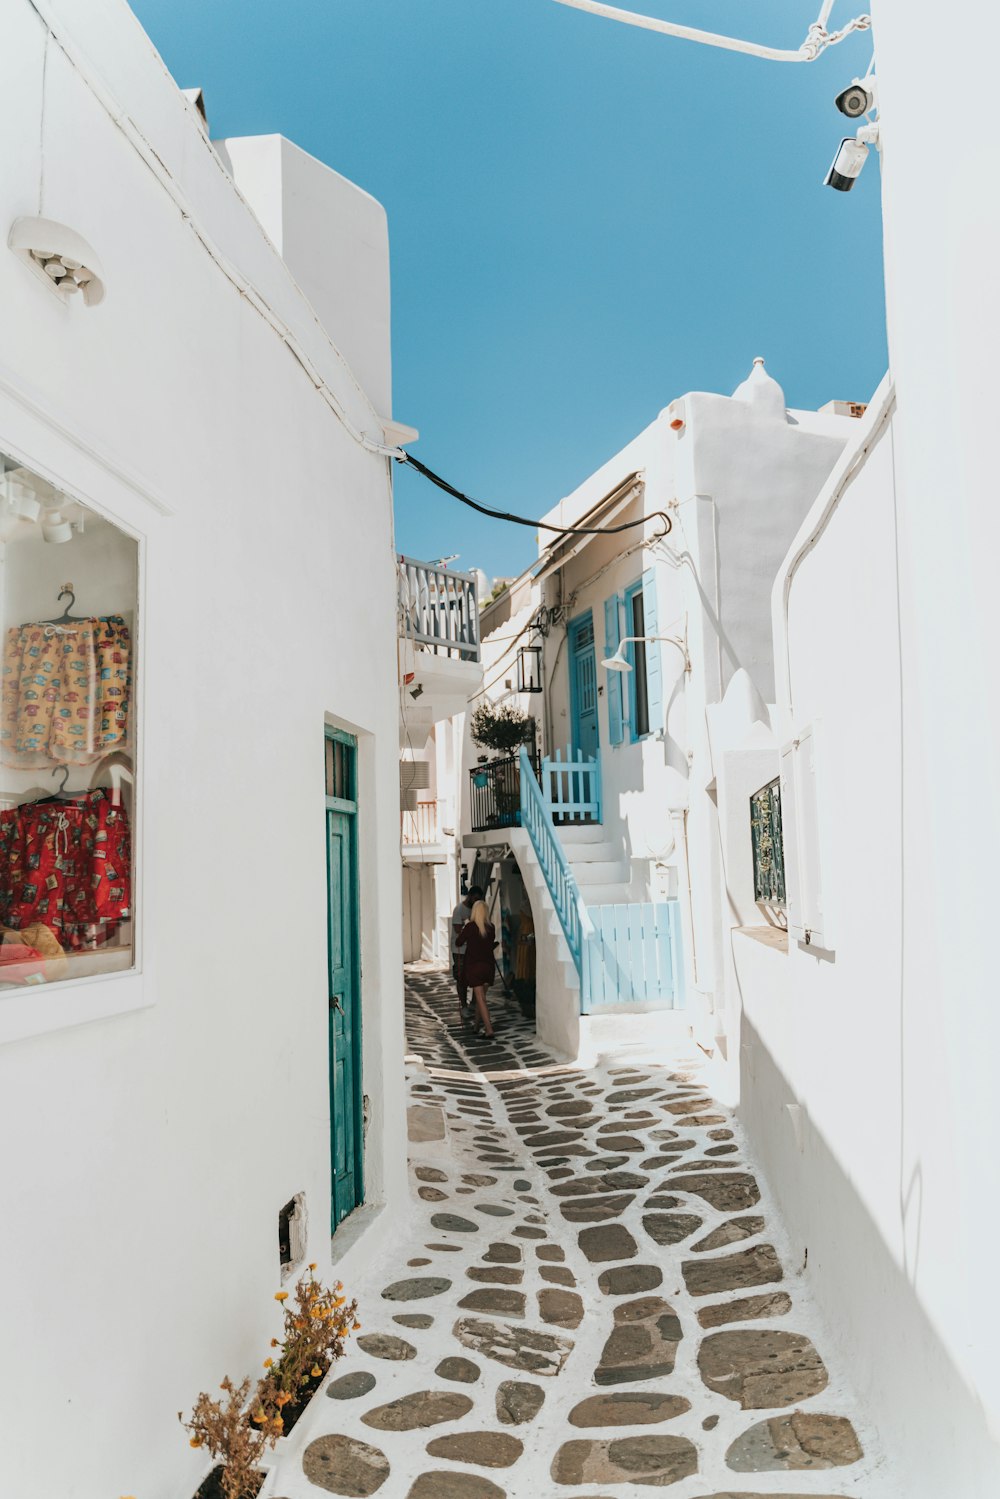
{"x":439,"y":671}
{"x":867,"y":1042}
{"x":624,"y":760}
{"x":199,"y":457}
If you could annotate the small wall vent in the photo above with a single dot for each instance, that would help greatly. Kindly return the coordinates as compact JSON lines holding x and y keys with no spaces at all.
{"x":292,"y":1234}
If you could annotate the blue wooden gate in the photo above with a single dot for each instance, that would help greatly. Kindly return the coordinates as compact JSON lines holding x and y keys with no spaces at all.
{"x":572,"y":787}
{"x":633,"y":957}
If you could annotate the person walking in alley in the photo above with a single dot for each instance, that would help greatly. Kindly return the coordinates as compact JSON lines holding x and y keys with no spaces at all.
{"x":478,"y":938}
{"x":459,"y":919}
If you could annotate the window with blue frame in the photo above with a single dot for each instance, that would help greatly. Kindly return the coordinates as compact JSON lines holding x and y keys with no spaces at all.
{"x":634,"y":612}
{"x":638,"y":684}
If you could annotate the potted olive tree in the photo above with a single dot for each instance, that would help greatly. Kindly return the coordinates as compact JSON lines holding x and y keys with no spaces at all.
{"x":502,"y":730}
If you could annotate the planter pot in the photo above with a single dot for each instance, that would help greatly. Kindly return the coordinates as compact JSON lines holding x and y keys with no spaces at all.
{"x":480,"y":779}
{"x":266,"y":1467}
{"x":266,"y":1463}
{"x":274,"y":1455}
{"x":210,"y":1487}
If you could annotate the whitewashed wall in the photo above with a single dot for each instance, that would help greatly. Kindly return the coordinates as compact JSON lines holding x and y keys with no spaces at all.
{"x":736,"y":478}
{"x":155,"y":1147}
{"x":743,"y":472}
{"x":887,"y":1048}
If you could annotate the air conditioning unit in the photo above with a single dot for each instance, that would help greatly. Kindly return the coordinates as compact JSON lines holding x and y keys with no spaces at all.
{"x":414,"y":775}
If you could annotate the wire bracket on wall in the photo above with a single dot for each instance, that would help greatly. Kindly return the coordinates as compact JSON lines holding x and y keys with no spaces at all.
{"x":816,"y":41}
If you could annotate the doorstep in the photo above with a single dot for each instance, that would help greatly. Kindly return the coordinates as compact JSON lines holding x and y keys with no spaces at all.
{"x":352,"y":1229}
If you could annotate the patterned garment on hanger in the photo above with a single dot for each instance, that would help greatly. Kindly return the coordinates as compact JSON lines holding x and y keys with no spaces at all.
{"x":66,"y":690}
{"x":67,"y":864}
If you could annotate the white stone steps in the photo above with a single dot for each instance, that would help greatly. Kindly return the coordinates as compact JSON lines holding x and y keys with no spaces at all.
{"x":606,"y":895}
{"x":574,"y":834}
{"x":599,"y":872}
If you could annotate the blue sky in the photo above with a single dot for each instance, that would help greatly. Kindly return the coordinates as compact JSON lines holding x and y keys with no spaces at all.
{"x":586,"y":219}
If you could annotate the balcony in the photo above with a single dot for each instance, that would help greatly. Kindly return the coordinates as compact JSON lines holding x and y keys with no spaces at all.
{"x":421,"y":825}
{"x":495,"y":794}
{"x":439,"y":660}
{"x":438,"y":609}
{"x":421,"y":834}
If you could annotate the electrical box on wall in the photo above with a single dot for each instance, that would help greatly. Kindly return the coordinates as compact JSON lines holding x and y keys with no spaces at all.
{"x":803,"y":839}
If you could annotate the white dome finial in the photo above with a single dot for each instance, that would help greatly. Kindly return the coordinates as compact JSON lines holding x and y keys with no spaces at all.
{"x":761,"y":391}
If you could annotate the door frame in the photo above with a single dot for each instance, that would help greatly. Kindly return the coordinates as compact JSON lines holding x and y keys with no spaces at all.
{"x":573,"y":630}
{"x":348,"y":808}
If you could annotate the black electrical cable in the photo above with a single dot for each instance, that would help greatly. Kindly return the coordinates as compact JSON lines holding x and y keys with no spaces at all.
{"x":520,"y":520}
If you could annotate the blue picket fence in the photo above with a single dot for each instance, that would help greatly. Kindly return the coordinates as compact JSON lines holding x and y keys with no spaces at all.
{"x":623,"y":954}
{"x":572,"y":787}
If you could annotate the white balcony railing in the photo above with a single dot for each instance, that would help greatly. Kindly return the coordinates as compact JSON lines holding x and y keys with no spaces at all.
{"x":438,"y":609}
{"x":422,"y":825}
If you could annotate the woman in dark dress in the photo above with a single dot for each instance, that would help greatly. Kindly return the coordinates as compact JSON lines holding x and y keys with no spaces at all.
{"x":478,"y":938}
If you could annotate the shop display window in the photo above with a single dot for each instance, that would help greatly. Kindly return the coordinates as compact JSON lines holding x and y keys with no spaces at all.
{"x":68,"y":593}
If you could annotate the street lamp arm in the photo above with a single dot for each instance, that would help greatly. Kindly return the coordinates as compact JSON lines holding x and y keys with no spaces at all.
{"x":617,"y":662}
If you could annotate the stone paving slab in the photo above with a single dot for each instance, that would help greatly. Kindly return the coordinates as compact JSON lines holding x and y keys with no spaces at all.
{"x":595,"y":1296}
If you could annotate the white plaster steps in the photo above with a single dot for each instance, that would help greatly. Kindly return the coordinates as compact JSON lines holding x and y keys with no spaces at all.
{"x":604,"y":894}
{"x":598,"y":872}
{"x":601,"y":881}
{"x":557,"y":1015}
{"x":573,"y":834}
{"x":598,"y":867}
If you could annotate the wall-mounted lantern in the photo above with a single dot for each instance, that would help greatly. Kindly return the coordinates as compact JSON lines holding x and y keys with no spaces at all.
{"x":529,"y":668}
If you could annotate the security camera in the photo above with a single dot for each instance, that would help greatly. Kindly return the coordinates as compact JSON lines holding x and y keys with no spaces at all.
{"x":858,"y":99}
{"x":850,"y":158}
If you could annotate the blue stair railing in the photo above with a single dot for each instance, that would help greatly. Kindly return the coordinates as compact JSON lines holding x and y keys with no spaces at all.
{"x":561,"y":882}
{"x":623,"y":954}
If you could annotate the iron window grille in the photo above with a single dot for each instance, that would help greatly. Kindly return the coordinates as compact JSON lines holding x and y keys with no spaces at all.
{"x":768,"y":846}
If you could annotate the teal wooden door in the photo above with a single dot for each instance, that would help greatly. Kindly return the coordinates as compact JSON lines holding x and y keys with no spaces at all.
{"x":346,"y":1132}
{"x":583,"y":686}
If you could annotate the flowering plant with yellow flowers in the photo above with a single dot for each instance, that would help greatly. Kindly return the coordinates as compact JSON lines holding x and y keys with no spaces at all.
{"x":225,"y":1430}
{"x":239,"y":1430}
{"x":317,"y":1321}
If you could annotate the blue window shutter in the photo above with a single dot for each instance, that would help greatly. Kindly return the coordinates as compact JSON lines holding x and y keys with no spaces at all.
{"x":612,"y":640}
{"x":654,"y":664}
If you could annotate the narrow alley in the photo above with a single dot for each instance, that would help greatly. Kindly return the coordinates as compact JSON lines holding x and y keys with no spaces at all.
{"x":591,"y":1293}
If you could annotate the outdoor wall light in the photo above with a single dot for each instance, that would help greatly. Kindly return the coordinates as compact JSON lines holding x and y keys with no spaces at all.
{"x":55,"y":527}
{"x":63,"y":257}
{"x":21,"y":499}
{"x":529,"y":668}
{"x":618,"y":661}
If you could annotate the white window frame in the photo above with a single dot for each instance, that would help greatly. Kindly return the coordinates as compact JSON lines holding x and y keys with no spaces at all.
{"x":69,"y":461}
{"x":805,"y":839}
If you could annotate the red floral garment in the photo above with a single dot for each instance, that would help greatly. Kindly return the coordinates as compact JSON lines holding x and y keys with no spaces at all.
{"x":69,"y":865}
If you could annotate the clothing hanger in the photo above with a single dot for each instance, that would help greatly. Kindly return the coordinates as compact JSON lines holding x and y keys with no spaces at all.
{"x":66,"y":618}
{"x":60,"y":794}
{"x":120,"y":770}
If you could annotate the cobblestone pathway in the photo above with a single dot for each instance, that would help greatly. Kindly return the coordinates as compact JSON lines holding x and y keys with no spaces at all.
{"x":587,"y":1301}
